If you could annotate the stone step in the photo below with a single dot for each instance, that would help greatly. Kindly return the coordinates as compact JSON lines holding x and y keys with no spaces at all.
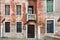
{"x":18,"y":39}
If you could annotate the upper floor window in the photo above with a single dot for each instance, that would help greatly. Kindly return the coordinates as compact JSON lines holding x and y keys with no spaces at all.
{"x":49,"y":5}
{"x":19,"y":27}
{"x":7,"y":9}
{"x":30,"y":9}
{"x":7,"y":26}
{"x":18,"y":9}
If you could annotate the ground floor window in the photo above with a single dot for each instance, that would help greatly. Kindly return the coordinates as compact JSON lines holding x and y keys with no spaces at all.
{"x":19,"y":26}
{"x":7,"y":26}
{"x":50,"y":26}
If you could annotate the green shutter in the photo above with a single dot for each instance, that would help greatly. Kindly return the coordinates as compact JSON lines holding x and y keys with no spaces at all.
{"x":49,"y":6}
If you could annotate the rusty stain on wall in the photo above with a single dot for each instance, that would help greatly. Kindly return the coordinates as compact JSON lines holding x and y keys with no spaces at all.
{"x":24,"y":13}
{"x":38,"y":9}
{"x":41,"y":16}
{"x":13,"y":15}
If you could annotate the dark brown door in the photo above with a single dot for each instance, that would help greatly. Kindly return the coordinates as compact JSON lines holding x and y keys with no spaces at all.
{"x":31,"y":31}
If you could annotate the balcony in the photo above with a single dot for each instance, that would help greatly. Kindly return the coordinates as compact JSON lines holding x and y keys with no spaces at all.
{"x":31,"y":17}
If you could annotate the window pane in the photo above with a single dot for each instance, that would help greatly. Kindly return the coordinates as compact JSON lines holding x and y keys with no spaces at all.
{"x":7,"y":26}
{"x":30,"y":9}
{"x":19,"y":27}
{"x":50,"y":26}
{"x":7,"y":9}
{"x":49,"y":6}
{"x":18,"y":9}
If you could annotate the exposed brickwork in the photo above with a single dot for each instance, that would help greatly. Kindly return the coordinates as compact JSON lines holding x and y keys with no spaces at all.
{"x":13,"y":12}
{"x":41,"y":15}
{"x":24,"y":13}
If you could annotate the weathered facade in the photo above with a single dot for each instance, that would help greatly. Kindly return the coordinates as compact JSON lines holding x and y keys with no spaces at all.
{"x":28,"y":18}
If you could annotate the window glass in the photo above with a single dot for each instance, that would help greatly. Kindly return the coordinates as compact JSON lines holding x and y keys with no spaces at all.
{"x":19,"y":27}
{"x":7,"y":26}
{"x":30,"y":9}
{"x":7,"y":9}
{"x":18,"y":8}
{"x":49,"y":6}
{"x":50,"y":26}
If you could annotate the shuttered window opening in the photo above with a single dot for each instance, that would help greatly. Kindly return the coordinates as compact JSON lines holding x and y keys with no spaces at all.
{"x":49,"y":5}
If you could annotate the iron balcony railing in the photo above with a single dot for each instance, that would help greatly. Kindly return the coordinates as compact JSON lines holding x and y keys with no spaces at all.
{"x":31,"y":17}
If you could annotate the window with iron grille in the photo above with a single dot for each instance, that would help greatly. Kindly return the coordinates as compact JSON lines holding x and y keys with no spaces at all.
{"x":7,"y":26}
{"x":19,"y":27}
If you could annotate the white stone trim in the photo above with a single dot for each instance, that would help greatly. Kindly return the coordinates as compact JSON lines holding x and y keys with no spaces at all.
{"x":39,"y":34}
{"x":54,"y":5}
{"x":1,"y":31}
